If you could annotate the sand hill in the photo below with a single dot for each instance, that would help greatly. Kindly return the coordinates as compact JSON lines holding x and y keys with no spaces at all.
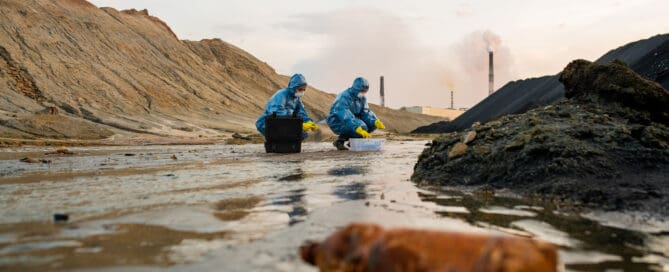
{"x":71,"y":70}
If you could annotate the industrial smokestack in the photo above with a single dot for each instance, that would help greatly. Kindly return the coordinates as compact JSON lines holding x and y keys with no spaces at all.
{"x":452,"y":100}
{"x":383,"y":96}
{"x":491,"y":73}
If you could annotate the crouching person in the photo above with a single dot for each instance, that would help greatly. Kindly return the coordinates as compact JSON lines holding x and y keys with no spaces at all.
{"x":288,"y":102}
{"x":350,"y":116}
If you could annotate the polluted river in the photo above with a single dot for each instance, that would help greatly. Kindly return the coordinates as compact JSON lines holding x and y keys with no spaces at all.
{"x":235,"y":208}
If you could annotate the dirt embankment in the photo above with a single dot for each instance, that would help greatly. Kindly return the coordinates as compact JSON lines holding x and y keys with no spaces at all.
{"x":606,"y":145}
{"x":125,"y":73}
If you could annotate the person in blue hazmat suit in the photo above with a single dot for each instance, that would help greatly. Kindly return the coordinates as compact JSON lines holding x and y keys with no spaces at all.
{"x":287,"y":101}
{"x":350,"y":116}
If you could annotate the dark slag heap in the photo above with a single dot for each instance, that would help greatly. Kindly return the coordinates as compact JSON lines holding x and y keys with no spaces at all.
{"x":606,"y":145}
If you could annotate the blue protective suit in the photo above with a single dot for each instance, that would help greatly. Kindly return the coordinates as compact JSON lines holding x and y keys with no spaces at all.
{"x":284,"y":103}
{"x":350,"y":112}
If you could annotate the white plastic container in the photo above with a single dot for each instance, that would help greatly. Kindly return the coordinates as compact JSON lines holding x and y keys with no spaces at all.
{"x":358,"y":144}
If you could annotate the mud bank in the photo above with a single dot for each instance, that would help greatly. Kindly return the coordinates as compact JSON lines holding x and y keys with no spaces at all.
{"x":606,"y":145}
{"x":235,"y":208}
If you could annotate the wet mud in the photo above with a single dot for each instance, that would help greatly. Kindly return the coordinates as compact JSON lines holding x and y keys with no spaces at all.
{"x":238,"y":209}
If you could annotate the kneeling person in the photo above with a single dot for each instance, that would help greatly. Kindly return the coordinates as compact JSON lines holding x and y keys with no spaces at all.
{"x":350,"y":116}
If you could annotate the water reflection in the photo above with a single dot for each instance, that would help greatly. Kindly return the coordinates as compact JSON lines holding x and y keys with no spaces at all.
{"x":622,"y":249}
{"x":258,"y":195}
{"x":295,"y":199}
{"x":351,"y":191}
{"x":347,"y":171}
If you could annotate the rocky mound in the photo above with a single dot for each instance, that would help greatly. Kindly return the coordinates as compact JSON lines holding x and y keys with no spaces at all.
{"x":606,"y":145}
{"x":648,"y":57}
{"x":128,"y":73}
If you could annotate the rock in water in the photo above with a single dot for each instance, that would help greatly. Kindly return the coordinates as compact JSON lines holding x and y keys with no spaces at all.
{"x":29,"y":160}
{"x":605,"y":146}
{"x":367,"y":247}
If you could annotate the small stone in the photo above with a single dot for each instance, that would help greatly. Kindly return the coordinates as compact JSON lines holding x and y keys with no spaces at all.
{"x":494,"y":124}
{"x":64,"y":150}
{"x":29,"y":160}
{"x":239,"y":136}
{"x":61,"y":151}
{"x":174,"y":157}
{"x":476,"y":124}
{"x":457,"y":150}
{"x":469,"y":137}
{"x":60,"y":217}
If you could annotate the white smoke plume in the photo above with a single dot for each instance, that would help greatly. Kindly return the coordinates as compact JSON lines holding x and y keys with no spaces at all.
{"x":472,"y":53}
{"x":371,"y":43}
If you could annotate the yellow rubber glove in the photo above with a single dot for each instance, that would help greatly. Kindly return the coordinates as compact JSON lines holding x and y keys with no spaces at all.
{"x":306,"y":126}
{"x":379,"y":124}
{"x":362,"y":132}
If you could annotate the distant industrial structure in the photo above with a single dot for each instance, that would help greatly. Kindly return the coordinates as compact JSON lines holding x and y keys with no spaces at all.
{"x":452,"y":101}
{"x":383,"y":95}
{"x":449,"y":114}
{"x":491,"y":72}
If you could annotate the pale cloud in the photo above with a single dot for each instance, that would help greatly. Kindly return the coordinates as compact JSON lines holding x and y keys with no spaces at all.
{"x":414,"y":44}
{"x":234,"y":28}
{"x":372,"y":43}
{"x":464,"y":10}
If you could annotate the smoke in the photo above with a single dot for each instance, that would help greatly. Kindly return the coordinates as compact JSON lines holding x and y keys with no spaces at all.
{"x":371,"y":43}
{"x":491,"y":40}
{"x":472,"y":53}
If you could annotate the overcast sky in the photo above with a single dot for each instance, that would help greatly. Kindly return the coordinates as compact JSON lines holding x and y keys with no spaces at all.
{"x":423,"y":48}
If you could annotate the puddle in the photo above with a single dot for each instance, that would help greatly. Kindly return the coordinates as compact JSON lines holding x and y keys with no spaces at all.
{"x":23,"y":248}
{"x":352,"y":191}
{"x":589,"y":241}
{"x":546,"y":232}
{"x":507,"y":211}
{"x":129,"y":244}
{"x":346,"y":171}
{"x":235,"y":208}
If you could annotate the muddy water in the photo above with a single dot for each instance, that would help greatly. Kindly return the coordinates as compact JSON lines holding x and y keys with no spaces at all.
{"x":234,"y":208}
